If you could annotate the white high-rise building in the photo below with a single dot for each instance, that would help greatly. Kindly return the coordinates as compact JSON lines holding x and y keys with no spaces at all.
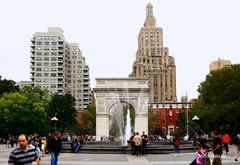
{"x":59,"y":66}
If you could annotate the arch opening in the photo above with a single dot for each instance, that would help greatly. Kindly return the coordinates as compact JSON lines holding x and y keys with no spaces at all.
{"x":121,"y":121}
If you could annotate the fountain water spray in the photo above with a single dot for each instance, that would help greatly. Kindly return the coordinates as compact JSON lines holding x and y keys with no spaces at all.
{"x":128,"y":127}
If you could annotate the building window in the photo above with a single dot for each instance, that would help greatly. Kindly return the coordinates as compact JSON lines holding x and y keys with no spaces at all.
{"x":46,"y":64}
{"x":171,"y":121}
{"x":54,"y":43}
{"x":163,"y":121}
{"x":177,"y":112}
{"x":170,"y":113}
{"x":53,"y":85}
{"x":53,"y":74}
{"x":54,"y":58}
{"x":46,"y":58}
{"x":163,"y":113}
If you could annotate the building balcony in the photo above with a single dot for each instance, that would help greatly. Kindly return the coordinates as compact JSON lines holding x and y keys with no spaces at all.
{"x":60,"y":58}
{"x":33,"y":46}
{"x":60,"y":42}
{"x":60,"y":92}
{"x":86,"y":93}
{"x":33,"y":41}
{"x":86,"y":77}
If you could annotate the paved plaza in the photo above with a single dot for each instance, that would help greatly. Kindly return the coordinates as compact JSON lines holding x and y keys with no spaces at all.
{"x":120,"y":159}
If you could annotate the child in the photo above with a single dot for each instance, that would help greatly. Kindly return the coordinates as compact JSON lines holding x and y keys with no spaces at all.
{"x":199,"y":155}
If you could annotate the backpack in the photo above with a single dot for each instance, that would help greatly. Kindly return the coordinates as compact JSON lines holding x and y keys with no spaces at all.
{"x":177,"y":142}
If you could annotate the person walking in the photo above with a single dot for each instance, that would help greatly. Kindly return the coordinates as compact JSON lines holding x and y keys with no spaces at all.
{"x":237,"y":143}
{"x":55,"y":145}
{"x":225,"y":139}
{"x":176,"y":143}
{"x":23,"y":151}
{"x":217,"y":149}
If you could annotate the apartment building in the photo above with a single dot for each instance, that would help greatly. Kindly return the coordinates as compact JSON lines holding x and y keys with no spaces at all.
{"x":59,"y":66}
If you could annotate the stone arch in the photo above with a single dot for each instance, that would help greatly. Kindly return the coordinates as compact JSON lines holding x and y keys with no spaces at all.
{"x":134,"y":91}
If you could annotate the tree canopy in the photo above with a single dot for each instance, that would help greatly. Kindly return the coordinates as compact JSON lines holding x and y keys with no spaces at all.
{"x":89,"y":120}
{"x":219,"y":99}
{"x":62,"y":107}
{"x":18,"y":115}
{"x":30,"y":110}
{"x":7,"y":86}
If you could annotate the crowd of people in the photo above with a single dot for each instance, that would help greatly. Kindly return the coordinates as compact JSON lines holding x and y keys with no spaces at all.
{"x":219,"y":145}
{"x":36,"y":146}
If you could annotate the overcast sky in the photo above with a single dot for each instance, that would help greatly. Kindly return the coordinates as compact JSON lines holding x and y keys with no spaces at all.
{"x":196,"y":32}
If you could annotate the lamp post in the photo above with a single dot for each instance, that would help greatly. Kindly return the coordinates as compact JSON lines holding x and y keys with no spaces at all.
{"x":55,"y":119}
{"x":196,"y":118}
{"x":187,"y":118}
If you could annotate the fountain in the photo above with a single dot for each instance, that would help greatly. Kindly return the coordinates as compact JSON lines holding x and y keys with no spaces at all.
{"x":128,"y":127}
{"x":111,"y":95}
{"x":119,"y":123}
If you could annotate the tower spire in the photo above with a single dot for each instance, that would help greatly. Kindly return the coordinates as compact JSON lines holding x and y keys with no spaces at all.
{"x":150,"y":19}
{"x":149,"y":10}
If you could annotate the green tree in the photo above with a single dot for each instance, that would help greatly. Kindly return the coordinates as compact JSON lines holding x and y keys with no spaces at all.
{"x":18,"y":115}
{"x":153,"y":122}
{"x":37,"y":95}
{"x":7,"y":86}
{"x":219,"y":99}
{"x":62,"y":107}
{"x":181,"y":122}
{"x":89,"y":120}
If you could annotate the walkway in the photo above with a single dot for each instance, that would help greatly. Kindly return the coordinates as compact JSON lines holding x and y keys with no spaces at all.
{"x":120,"y":159}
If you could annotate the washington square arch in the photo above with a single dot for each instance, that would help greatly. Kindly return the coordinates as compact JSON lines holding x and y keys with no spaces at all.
{"x":110,"y":91}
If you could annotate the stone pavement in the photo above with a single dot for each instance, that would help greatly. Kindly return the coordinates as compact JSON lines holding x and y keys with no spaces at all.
{"x":121,"y":159}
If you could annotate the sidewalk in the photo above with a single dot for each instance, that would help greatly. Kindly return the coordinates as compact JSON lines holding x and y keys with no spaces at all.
{"x":121,"y":159}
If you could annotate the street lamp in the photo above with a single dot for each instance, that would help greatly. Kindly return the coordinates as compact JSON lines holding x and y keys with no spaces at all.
{"x":196,"y":118}
{"x":187,"y":117}
{"x":55,"y":119}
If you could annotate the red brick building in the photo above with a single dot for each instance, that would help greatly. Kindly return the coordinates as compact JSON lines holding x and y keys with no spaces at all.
{"x":168,"y":113}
